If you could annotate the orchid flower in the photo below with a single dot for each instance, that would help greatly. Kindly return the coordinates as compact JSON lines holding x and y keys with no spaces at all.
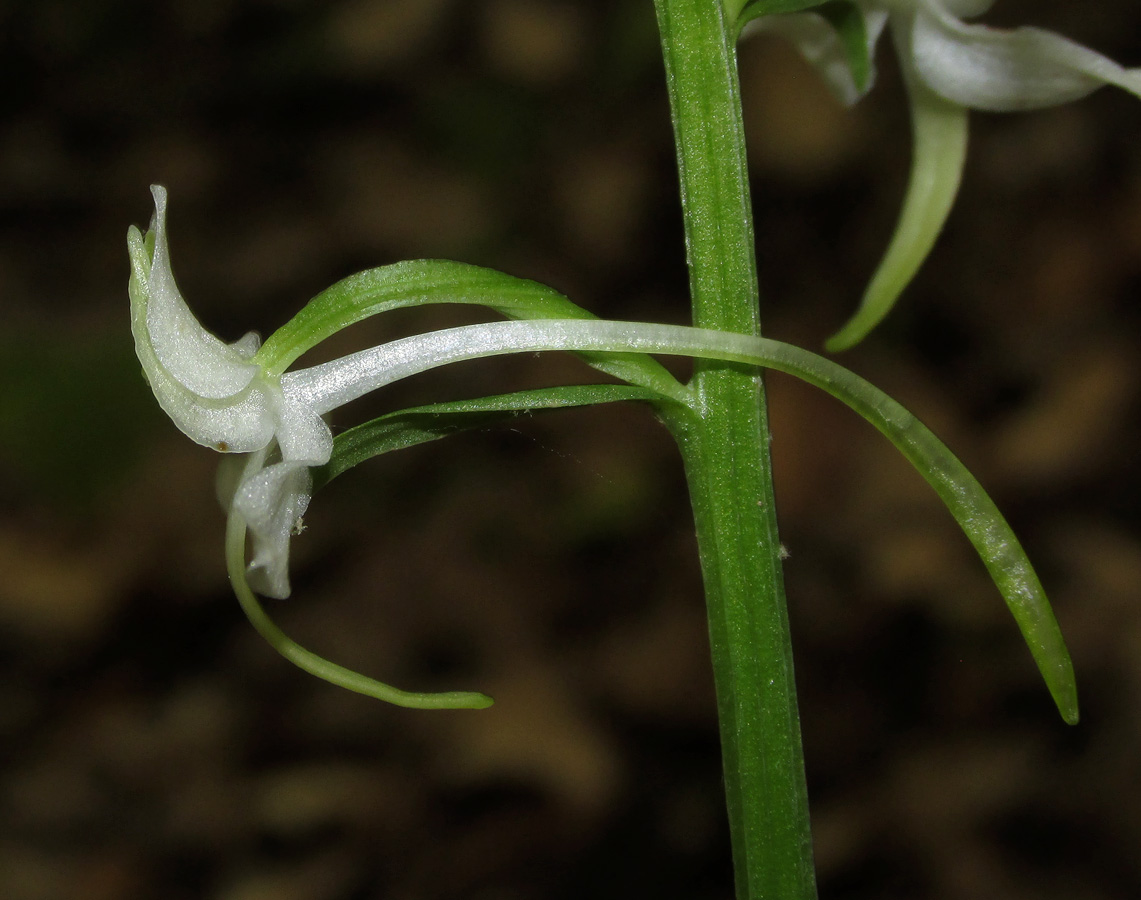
{"x":948,"y":67}
{"x":219,"y":397}
{"x":233,"y":398}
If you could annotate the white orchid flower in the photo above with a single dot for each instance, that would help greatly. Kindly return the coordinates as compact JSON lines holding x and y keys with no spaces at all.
{"x":949,"y":66}
{"x":218,"y":397}
{"x":222,"y":397}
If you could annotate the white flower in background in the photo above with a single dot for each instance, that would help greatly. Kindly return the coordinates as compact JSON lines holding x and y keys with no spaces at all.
{"x":996,"y":69}
{"x":219,"y":397}
{"x":949,"y":66}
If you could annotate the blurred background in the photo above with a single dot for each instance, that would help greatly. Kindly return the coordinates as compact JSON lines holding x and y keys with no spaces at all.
{"x":153,"y":746}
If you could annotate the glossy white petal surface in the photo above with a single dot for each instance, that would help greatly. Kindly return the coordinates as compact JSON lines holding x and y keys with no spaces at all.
{"x":302,"y":434}
{"x":190,"y":354}
{"x":218,"y":397}
{"x":240,"y":422}
{"x":1005,"y":70}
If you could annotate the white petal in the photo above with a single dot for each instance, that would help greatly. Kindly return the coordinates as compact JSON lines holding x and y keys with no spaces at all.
{"x":193,"y":356}
{"x":240,"y":423}
{"x":272,"y":501}
{"x":818,"y":43}
{"x":1000,"y":70}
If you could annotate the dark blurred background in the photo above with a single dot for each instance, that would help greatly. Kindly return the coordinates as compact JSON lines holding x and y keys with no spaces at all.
{"x":153,"y":746}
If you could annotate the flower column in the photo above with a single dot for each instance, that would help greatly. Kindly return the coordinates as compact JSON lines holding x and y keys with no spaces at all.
{"x":725,"y":446}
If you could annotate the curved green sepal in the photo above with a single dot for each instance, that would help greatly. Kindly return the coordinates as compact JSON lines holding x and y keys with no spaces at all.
{"x":409,"y":427}
{"x":422,"y":281}
{"x":939,"y":129}
{"x":317,"y":665}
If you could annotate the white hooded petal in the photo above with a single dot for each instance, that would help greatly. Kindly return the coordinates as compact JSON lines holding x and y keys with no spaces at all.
{"x":1006,"y":70}
{"x":240,"y":422}
{"x":272,"y":500}
{"x":193,"y":357}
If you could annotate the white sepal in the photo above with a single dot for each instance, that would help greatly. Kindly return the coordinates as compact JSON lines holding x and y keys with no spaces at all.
{"x":211,"y":390}
{"x":191,"y":355}
{"x":1006,"y":70}
{"x":240,"y":422}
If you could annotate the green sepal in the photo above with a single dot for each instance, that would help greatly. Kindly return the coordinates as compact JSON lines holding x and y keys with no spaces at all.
{"x":409,"y":427}
{"x":422,"y":281}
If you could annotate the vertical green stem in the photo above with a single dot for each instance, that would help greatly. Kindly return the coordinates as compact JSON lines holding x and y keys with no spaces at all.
{"x":726,"y":451}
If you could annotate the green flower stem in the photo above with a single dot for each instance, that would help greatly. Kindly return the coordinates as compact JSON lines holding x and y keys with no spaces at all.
{"x":409,"y":427}
{"x":725,"y":445}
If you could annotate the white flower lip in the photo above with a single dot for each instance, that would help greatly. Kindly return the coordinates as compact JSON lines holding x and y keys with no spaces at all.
{"x":272,"y":500}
